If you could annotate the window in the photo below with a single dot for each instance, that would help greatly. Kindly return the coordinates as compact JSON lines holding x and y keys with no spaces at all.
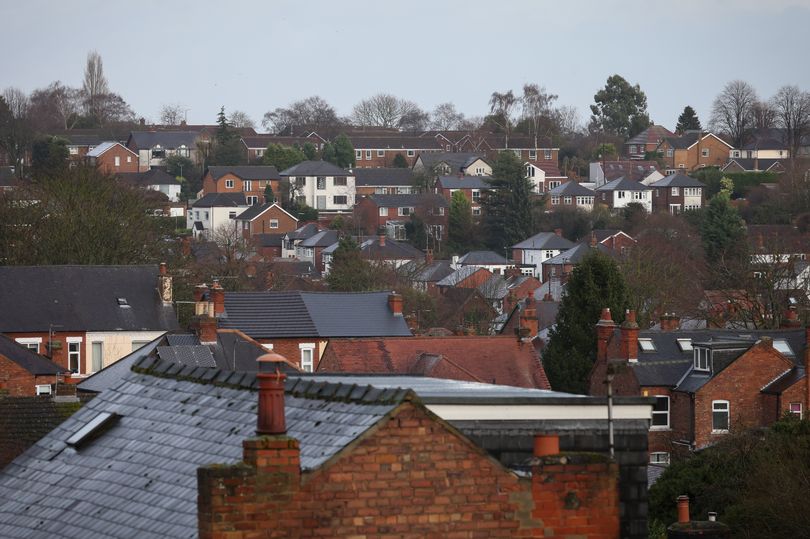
{"x":43,"y":389}
{"x":685,"y":345}
{"x":646,"y":345}
{"x":368,"y":154}
{"x":620,"y":194}
{"x":479,"y":171}
{"x":74,"y":356}
{"x":782,"y":346}
{"x":659,"y":457}
{"x":704,"y":152}
{"x":675,"y":191}
{"x":639,"y":195}
{"x":796,"y":409}
{"x":339,"y":181}
{"x":252,"y":200}
{"x":273,"y":223}
{"x":670,"y":153}
{"x":441,"y":210}
{"x":73,"y":150}
{"x":184,"y":151}
{"x":532,"y":154}
{"x":158,"y":152}
{"x":681,"y":165}
{"x":97,"y":355}
{"x":383,"y":212}
{"x":552,"y":185}
{"x":529,"y":171}
{"x":259,"y":153}
{"x":567,"y":200}
{"x":358,"y":155}
{"x":32,"y":343}
{"x":632,"y":149}
{"x":517,"y":153}
{"x":476,"y":210}
{"x":321,"y":184}
{"x":691,"y":191}
{"x":117,"y":160}
{"x":555,"y":200}
{"x":702,"y":356}
{"x":228,"y":184}
{"x":307,"y":354}
{"x":231,"y":215}
{"x":380,"y":153}
{"x":300,"y":181}
{"x":476,"y":195}
{"x":660,"y":413}
{"x":547,"y":154}
{"x":720,"y":416}
{"x":404,"y":211}
{"x":410,"y":153}
{"x":340,"y":200}
{"x":435,"y":231}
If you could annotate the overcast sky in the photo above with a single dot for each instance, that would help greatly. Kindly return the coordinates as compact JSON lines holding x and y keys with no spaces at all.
{"x":255,"y":56}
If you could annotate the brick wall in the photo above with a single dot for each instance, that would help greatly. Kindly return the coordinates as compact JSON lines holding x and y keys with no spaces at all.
{"x":411,"y":475}
{"x":60,"y":352}
{"x":18,"y":382}
{"x":127,"y":161}
{"x":289,"y":348}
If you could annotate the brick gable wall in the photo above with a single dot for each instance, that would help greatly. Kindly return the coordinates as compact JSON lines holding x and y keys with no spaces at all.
{"x":18,"y":382}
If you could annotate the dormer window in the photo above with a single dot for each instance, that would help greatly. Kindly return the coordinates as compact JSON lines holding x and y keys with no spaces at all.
{"x":702,"y":359}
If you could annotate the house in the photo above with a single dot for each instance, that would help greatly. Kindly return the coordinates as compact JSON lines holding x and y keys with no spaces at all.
{"x":645,"y":172}
{"x":255,"y":145}
{"x":534,"y":149}
{"x":265,"y":219}
{"x":321,"y":185}
{"x":693,"y":150}
{"x":251,"y":181}
{"x":763,"y":146}
{"x":622,"y":192}
{"x":380,"y":151}
{"x":454,"y":163}
{"x":383,"y":181}
{"x":112,"y":158}
{"x":560,"y":267}
{"x":153,"y":147}
{"x":396,"y":254}
{"x":82,"y":141}
{"x":617,"y":241}
{"x":464,"y":277}
{"x":739,"y":164}
{"x":471,"y":186}
{"x":312,"y":248}
{"x":459,"y":311}
{"x":678,"y":193}
{"x":544,"y":175}
{"x":153,"y":490}
{"x":214,"y":212}
{"x":504,"y":291}
{"x":571,"y":195}
{"x":533,"y":251}
{"x":25,"y":373}
{"x":707,"y":383}
{"x":424,"y":274}
{"x":299,"y":325}
{"x":647,"y":141}
{"x":393,"y":212}
{"x":484,"y":259}
{"x":269,"y":246}
{"x":8,"y":179}
{"x":155,"y":179}
{"x":84,"y":318}
{"x":493,"y":360}
{"x":293,"y":239}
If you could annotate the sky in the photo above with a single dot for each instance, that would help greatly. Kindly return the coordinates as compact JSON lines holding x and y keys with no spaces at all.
{"x":256,"y":56}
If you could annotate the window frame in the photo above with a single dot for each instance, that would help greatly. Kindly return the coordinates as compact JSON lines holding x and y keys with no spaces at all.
{"x":798,"y":411}
{"x":663,"y":458}
{"x":74,"y":352}
{"x":380,"y":153}
{"x":358,"y":155}
{"x":383,"y":211}
{"x":320,"y":183}
{"x":336,"y":197}
{"x":28,"y":341}
{"x":410,"y":153}
{"x":273,"y":223}
{"x":368,"y":155}
{"x":303,"y":348}
{"x":228,"y":184}
{"x":340,"y":181}
{"x":659,"y":413}
{"x":727,"y":411}
{"x":93,"y":355}
{"x":701,"y":352}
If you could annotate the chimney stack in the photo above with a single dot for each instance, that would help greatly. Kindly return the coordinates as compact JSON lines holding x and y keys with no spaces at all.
{"x":593,"y":240}
{"x":381,"y":239}
{"x":218,"y":298}
{"x":670,"y":322}
{"x":629,"y":341}
{"x":604,"y":332}
{"x":165,"y":284}
{"x":207,"y":329}
{"x":428,"y":256}
{"x":558,"y":231}
{"x":683,"y":509}
{"x":270,"y":416}
{"x":791,"y":319}
{"x":395,"y":303}
{"x":528,"y":318}
{"x":200,"y":296}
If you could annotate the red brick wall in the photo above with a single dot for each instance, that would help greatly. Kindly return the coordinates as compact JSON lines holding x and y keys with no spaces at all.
{"x":450,"y":487}
{"x":18,"y":382}
{"x":798,"y":392}
{"x":618,"y":242}
{"x":256,"y":187}
{"x":60,"y":355}
{"x":290,"y":350}
{"x":106,"y":162}
{"x":261,"y":225}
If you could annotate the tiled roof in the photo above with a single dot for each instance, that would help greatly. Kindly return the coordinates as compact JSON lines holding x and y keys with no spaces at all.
{"x":303,"y":232}
{"x":499,"y":360}
{"x":269,"y":315}
{"x":429,"y":273}
{"x":102,"y":148}
{"x":315,"y":168}
{"x":678,"y":180}
{"x":755,"y":164}
{"x":170,"y":140}
{"x":634,"y":170}
{"x":269,"y":240}
{"x":571,"y":189}
{"x":258,"y":209}
{"x":219,"y":200}
{"x":403,"y":142}
{"x":26,"y":359}
{"x":392,"y":250}
{"x":365,"y":177}
{"x":551,"y":168}
{"x":683,"y":142}
{"x":324,"y":238}
{"x":652,"y":135}
{"x":483,"y":258}
{"x":459,"y":275}
{"x":246,"y":172}
{"x":263,"y":141}
{"x":623,"y":184}
{"x":456,"y":160}
{"x":412,"y":200}
{"x":138,"y":478}
{"x":464,"y":182}
{"x":82,"y":298}
{"x":575,"y":254}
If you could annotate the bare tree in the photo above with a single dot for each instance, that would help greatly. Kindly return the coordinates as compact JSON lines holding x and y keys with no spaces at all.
{"x":733,"y":110}
{"x":95,"y":83}
{"x":386,"y":110}
{"x":15,"y":132}
{"x":239,"y":118}
{"x":763,"y":116}
{"x":18,"y":102}
{"x":172,"y":114}
{"x":54,"y":107}
{"x":313,"y":112}
{"x":445,"y":117}
{"x":791,"y":106}
{"x":501,"y":110}
{"x":535,"y":107}
{"x":568,"y":120}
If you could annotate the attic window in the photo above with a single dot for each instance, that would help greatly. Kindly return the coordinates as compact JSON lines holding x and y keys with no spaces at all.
{"x":122,"y":302}
{"x":685,"y":345}
{"x":702,"y":358}
{"x":646,"y":345}
{"x":92,"y":429}
{"x":782,"y":346}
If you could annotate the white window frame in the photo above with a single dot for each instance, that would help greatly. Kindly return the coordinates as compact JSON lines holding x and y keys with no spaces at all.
{"x":247,"y":185}
{"x":358,"y":155}
{"x":77,"y":354}
{"x":532,"y":154}
{"x":795,"y":408}
{"x":547,"y":155}
{"x":701,"y":358}
{"x":28,"y":341}
{"x":307,"y":364}
{"x":476,"y":195}
{"x":704,"y":152}
{"x":252,"y":200}
{"x":567,"y":199}
{"x":380,"y":153}
{"x":92,"y":344}
{"x":383,"y":212}
{"x":555,"y":200}
{"x":716,"y":408}
{"x":401,"y":211}
{"x":410,"y":153}
{"x":273,"y":223}
{"x":117,"y":160}
{"x":659,"y":457}
{"x":368,"y":155}
{"x":476,"y":210}
{"x":320,"y":183}
{"x":676,"y":191}
{"x":661,"y":413}
{"x":228,"y":184}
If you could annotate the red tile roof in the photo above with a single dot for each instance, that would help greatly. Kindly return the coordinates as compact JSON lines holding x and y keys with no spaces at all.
{"x":499,"y":360}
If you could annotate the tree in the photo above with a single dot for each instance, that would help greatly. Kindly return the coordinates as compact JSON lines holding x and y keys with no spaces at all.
{"x":15,"y":133}
{"x":179,"y":166}
{"x":620,"y":109}
{"x":94,"y":87}
{"x":282,"y":157}
{"x":54,"y":107}
{"x":344,"y":152}
{"x":309,"y":151}
{"x":792,"y":108}
{"x":688,"y":121}
{"x":461,"y":228}
{"x":348,"y":271}
{"x":595,"y":283}
{"x":386,"y":110}
{"x":241,"y":119}
{"x":399,"y":161}
{"x":507,"y":205}
{"x":328,"y":153}
{"x":733,"y":109}
{"x":501,"y":111}
{"x":763,"y":116}
{"x":415,"y":119}
{"x":49,"y":157}
{"x":312,"y":112}
{"x":269,"y":197}
{"x":228,"y":149}
{"x":445,"y":117}
{"x":536,"y":108}
{"x":172,"y":114}
{"x":723,"y":235}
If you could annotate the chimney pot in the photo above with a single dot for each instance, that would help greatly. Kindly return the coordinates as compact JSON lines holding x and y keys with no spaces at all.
{"x":395,"y":303}
{"x":163,"y":270}
{"x":270,"y":417}
{"x":683,"y":509}
{"x":558,"y":231}
{"x":428,"y":256}
{"x":712,"y":516}
{"x":218,"y":298}
{"x":546,"y":444}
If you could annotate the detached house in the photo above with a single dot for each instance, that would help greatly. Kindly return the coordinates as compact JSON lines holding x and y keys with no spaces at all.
{"x":471,"y":186}
{"x":544,"y":176}
{"x":646,"y":142}
{"x":393,"y":212}
{"x":153,"y":147}
{"x":112,"y":158}
{"x":534,"y":251}
{"x":454,"y":163}
{"x":571,"y":195}
{"x":251,"y":181}
{"x":678,"y":193}
{"x":321,"y":185}
{"x":265,"y":219}
{"x":312,"y":248}
{"x":692,"y":151}
{"x":292,"y":239}
{"x":602,"y":172}
{"x":620,"y":193}
{"x":155,"y":179}
{"x":214,"y":211}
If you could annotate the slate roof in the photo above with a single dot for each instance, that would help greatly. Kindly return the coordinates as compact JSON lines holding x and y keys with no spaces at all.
{"x":412,"y":200}
{"x":392,"y":250}
{"x":324,"y":238}
{"x":766,"y":143}
{"x":499,"y":360}
{"x":575,"y":254}
{"x":464,"y":182}
{"x":269,"y":240}
{"x":483,"y":258}
{"x":429,"y":273}
{"x":785,"y":381}
{"x":262,"y":141}
{"x":634,"y":170}
{"x":27,"y":359}
{"x":246,"y":172}
{"x":497,"y":287}
{"x":219,"y":200}
{"x":683,"y":142}
{"x":138,"y":478}
{"x":571,"y":189}
{"x":153,"y":176}
{"x":754,"y":164}
{"x":652,"y":135}
{"x":257,"y":209}
{"x":82,"y":298}
{"x":102,"y":148}
{"x":623,"y":184}
{"x":303,"y":232}
{"x":170,"y":140}
{"x":315,"y":168}
{"x":545,"y":240}
{"x":456,"y":160}
{"x":268,"y":315}
{"x":678,"y":180}
{"x":390,"y":177}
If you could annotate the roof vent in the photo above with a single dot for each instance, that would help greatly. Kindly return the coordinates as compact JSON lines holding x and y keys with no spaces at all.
{"x":92,"y":429}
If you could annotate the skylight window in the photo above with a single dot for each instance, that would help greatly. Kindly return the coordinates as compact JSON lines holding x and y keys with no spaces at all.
{"x":646,"y":345}
{"x":685,"y":345}
{"x":91,"y":429}
{"x":122,"y":302}
{"x":782,"y":346}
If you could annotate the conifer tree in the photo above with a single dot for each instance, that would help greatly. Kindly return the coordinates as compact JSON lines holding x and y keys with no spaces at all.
{"x":507,"y":205}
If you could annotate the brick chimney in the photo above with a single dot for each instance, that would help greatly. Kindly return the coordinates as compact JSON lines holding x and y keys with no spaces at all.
{"x":428,"y":256}
{"x":593,"y":241}
{"x":201,"y":300}
{"x":791,"y":319}
{"x":218,"y":298}
{"x":670,"y":322}
{"x":381,"y":239}
{"x":604,"y":332}
{"x":528,"y":317}
{"x":206,"y":329}
{"x":395,"y":303}
{"x":558,"y":231}
{"x":165,"y":284}
{"x":270,"y":417}
{"x":629,"y":342}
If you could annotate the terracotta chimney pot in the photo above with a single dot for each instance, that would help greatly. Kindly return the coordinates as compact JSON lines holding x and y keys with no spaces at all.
{"x":683,"y":509}
{"x":270,"y":416}
{"x":546,"y":444}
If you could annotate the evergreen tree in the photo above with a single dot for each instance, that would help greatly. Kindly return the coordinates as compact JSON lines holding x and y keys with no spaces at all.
{"x":282,"y":157}
{"x":349,"y":272}
{"x":49,"y":157}
{"x":344,"y":152}
{"x":228,"y":148}
{"x":724,"y":240}
{"x":461,"y":226}
{"x":595,"y":283}
{"x":620,"y":109}
{"x":329,"y":154}
{"x":269,"y":197}
{"x":687,"y":121}
{"x":507,"y":205}
{"x":399,"y":161}
{"x":309,"y":151}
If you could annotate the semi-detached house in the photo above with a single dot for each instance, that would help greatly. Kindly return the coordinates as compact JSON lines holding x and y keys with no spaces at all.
{"x":321,"y":185}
